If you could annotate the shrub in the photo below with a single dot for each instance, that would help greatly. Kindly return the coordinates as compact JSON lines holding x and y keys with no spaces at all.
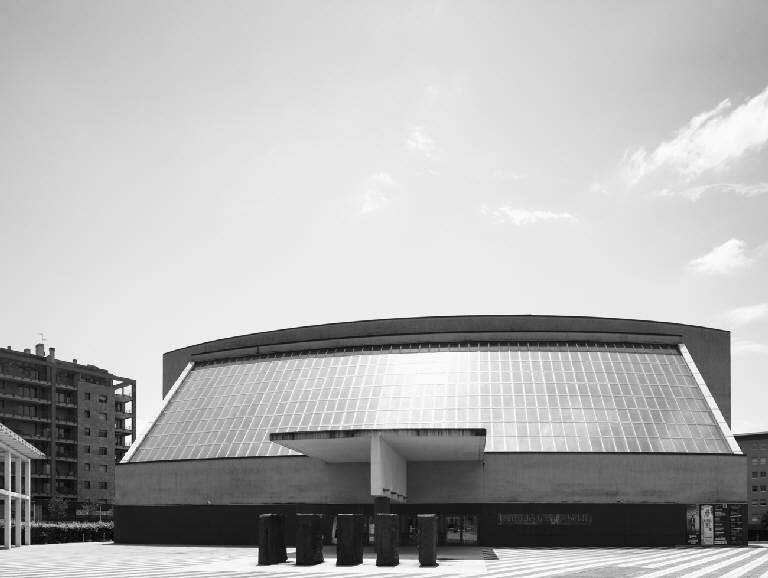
{"x":57,"y":532}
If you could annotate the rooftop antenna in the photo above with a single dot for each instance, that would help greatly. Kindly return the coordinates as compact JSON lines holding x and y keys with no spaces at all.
{"x":42,"y":337}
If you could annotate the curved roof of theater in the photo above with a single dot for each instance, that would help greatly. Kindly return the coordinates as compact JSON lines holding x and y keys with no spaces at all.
{"x":709,"y":347}
{"x":486,"y":326}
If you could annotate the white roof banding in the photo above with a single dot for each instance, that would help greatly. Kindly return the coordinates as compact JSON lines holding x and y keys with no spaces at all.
{"x":13,"y":441}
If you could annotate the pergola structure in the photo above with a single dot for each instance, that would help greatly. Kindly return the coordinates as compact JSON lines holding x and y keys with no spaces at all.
{"x":16,"y":455}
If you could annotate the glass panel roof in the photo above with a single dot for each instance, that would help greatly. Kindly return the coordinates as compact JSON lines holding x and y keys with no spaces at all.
{"x":531,"y":397}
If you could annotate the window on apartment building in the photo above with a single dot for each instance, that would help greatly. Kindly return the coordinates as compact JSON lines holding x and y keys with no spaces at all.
{"x":762,"y":461}
{"x":102,"y":399}
{"x":26,"y":410}
{"x":102,"y":433}
{"x":87,"y":431}
{"x":87,"y":467}
{"x":755,"y":502}
{"x":103,"y":468}
{"x":102,"y":416}
{"x":754,"y":474}
{"x":87,"y":396}
{"x":103,"y":485}
{"x":87,"y":449}
{"x":87,"y":413}
{"x":762,"y":474}
{"x":763,"y":488}
{"x":102,"y":451}
{"x":753,"y":461}
{"x":87,"y":484}
{"x":764,"y":502}
{"x":755,"y":519}
{"x":754,"y":488}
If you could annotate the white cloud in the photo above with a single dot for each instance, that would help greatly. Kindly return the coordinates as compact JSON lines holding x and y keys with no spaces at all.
{"x":377,"y":193}
{"x":418,"y":141}
{"x":724,"y":259}
{"x":524,"y":217}
{"x":695,"y":193}
{"x":709,"y":142}
{"x":374,"y":201}
{"x":745,"y":315}
{"x":506,"y":175}
{"x":746,"y":346}
{"x":383,"y":178}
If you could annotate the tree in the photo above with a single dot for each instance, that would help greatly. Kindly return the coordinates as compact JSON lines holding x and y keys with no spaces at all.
{"x":57,"y":508}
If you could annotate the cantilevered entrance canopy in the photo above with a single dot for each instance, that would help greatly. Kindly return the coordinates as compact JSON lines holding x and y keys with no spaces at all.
{"x":387,"y":450}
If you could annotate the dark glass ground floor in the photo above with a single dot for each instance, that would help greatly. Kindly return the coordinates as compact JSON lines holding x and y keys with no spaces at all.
{"x":472,"y":524}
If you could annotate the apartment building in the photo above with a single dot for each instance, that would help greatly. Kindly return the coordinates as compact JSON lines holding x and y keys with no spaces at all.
{"x":81,"y":416}
{"x":755,"y":447}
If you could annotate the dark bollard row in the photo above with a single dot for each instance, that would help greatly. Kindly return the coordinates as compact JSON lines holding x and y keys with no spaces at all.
{"x":349,"y":539}
{"x":309,"y":540}
{"x":272,"y":539}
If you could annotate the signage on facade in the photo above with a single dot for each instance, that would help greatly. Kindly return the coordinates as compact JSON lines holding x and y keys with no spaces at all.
{"x":544,"y":519}
{"x":721,"y":524}
{"x":692,"y":523}
{"x":707,"y":525}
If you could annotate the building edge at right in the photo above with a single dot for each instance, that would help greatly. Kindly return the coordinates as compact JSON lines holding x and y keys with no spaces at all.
{"x":755,"y":448}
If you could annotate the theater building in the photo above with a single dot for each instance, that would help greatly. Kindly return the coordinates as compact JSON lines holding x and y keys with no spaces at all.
{"x":515,"y":430}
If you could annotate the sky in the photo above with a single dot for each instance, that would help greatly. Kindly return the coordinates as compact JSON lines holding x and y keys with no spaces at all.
{"x":177,"y":172}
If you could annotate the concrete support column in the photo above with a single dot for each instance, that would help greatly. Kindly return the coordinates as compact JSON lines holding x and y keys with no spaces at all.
{"x":388,"y":471}
{"x":381,"y":505}
{"x":28,"y":506}
{"x":7,"y":499}
{"x":18,"y":501}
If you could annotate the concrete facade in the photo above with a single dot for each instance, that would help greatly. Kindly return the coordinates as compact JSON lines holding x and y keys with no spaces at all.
{"x":508,"y":478}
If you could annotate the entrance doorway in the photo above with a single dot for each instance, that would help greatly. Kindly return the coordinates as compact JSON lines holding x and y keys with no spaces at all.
{"x":460,"y":529}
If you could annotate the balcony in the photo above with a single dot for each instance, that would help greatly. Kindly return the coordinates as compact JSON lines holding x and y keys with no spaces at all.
{"x":11,"y":415}
{"x":16,"y":396}
{"x":70,"y":476}
{"x":67,"y":386}
{"x":21,"y":379}
{"x":66,"y":420}
{"x":66,"y":440}
{"x":63,"y":403}
{"x":66,"y":458}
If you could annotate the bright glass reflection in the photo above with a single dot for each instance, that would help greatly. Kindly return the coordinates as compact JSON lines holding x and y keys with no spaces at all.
{"x":531,"y":397}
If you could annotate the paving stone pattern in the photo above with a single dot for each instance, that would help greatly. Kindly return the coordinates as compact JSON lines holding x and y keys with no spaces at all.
{"x":90,"y":560}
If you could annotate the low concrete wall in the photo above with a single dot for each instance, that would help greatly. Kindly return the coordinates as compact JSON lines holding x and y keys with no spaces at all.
{"x":510,"y":478}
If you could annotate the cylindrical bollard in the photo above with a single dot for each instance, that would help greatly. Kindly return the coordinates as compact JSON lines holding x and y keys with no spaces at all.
{"x":309,"y":539}
{"x":387,"y":539}
{"x":272,"y":539}
{"x":349,"y":540}
{"x":427,"y":539}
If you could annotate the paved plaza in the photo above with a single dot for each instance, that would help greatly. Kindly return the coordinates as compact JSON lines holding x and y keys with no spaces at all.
{"x":86,"y":560}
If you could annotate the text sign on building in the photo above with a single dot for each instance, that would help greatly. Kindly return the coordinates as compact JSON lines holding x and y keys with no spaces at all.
{"x":544,"y":519}
{"x":721,"y":524}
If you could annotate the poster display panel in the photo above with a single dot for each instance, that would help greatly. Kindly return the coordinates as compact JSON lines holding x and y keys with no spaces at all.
{"x":707,"y":525}
{"x":720,"y":524}
{"x":692,"y":525}
{"x":737,"y":530}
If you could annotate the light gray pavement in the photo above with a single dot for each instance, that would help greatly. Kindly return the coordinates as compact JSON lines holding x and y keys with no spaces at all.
{"x":88,"y":560}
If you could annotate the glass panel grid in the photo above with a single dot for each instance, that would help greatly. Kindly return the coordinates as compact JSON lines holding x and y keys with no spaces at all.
{"x":531,"y":397}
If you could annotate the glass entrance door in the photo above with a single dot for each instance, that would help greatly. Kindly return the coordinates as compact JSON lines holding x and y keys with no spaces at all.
{"x":460,"y":529}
